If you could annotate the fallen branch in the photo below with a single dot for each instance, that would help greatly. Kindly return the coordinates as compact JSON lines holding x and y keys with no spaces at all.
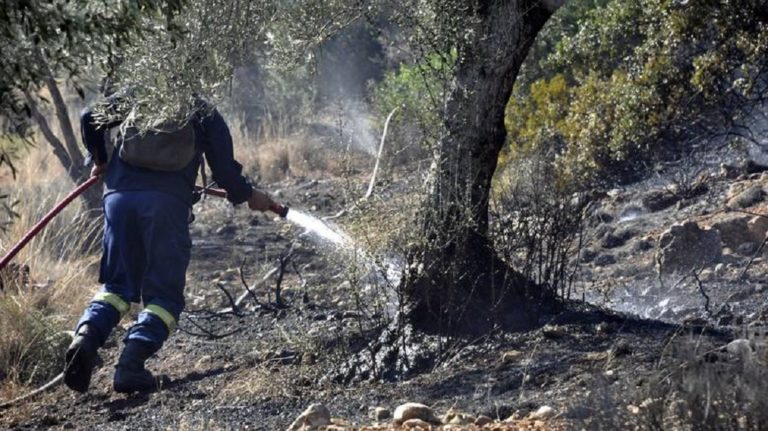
{"x":752,"y":259}
{"x":235,"y":308}
{"x":206,"y":333}
{"x":240,"y":299}
{"x":241,"y":273}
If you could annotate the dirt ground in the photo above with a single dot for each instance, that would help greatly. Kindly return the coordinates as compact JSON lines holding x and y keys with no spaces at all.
{"x":261,"y":366}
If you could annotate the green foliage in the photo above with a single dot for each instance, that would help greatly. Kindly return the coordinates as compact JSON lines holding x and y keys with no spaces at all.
{"x":420,"y":90}
{"x":635,"y":81}
{"x":42,"y":39}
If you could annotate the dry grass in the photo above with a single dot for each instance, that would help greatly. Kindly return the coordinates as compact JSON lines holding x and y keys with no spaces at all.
{"x":62,"y":274}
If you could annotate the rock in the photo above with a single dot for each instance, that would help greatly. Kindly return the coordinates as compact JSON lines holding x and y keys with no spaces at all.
{"x":641,"y":245}
{"x":758,"y":228}
{"x":417,"y":424}
{"x":316,"y":415}
{"x":514,"y":417}
{"x":658,"y":200}
{"x":617,"y":239}
{"x":455,"y":417}
{"x":735,"y":230}
{"x":587,"y":255}
{"x":720,"y":269}
{"x":604,"y":260}
{"x":685,"y":246}
{"x":483,"y":420}
{"x":739,"y":348}
{"x":543,"y":413}
{"x":408,"y":411}
{"x":511,"y":356}
{"x":751,"y":196}
{"x":226,"y":230}
{"x":706,"y":274}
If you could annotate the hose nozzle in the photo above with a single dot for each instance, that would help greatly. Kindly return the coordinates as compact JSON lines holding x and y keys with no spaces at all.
{"x":280,"y":210}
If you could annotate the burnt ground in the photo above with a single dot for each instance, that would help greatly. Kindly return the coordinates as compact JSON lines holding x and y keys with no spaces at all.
{"x":260,"y":367}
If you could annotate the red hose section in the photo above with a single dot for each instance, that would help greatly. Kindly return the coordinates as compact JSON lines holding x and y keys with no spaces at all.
{"x":277,"y":209}
{"x":45,"y":220}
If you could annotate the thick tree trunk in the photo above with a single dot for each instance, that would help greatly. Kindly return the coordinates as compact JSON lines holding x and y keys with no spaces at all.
{"x":460,"y":283}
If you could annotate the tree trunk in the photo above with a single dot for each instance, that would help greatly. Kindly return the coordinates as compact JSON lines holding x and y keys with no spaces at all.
{"x":459,"y":282}
{"x":68,"y":152}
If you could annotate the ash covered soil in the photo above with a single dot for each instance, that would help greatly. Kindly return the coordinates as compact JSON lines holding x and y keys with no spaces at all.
{"x":260,"y":366}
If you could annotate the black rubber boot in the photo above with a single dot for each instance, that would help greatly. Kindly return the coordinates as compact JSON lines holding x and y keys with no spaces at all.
{"x":80,"y":359}
{"x":130,"y":374}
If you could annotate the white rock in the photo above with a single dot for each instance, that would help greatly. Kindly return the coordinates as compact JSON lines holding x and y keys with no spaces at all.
{"x":409,"y":411}
{"x":316,"y":415}
{"x":720,"y":269}
{"x":740,"y":347}
{"x":543,"y":413}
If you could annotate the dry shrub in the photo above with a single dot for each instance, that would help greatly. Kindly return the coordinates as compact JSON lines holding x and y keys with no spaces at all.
{"x":36,"y":309}
{"x":537,"y":225}
{"x":695,"y":386}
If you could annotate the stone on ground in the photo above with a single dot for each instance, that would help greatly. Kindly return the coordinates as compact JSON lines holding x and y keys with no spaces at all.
{"x":686,"y":246}
{"x":316,"y":415}
{"x":408,"y":411}
{"x":543,"y":413}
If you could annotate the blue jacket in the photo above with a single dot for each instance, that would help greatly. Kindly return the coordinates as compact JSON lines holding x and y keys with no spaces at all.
{"x":213,"y":139}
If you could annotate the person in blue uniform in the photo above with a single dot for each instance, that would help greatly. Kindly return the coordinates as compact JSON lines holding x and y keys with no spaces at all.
{"x":146,"y":248}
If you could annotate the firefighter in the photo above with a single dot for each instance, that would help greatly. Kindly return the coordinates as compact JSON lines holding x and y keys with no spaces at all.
{"x":146,"y":243}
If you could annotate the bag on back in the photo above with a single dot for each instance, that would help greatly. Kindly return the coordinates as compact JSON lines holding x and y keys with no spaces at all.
{"x":166,"y":148}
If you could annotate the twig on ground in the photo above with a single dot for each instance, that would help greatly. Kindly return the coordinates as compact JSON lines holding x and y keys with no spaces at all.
{"x":703,"y":292}
{"x":282,"y":263}
{"x":206,"y":333}
{"x":267,"y":276}
{"x":248,"y":290}
{"x":235,"y":308}
{"x":752,"y":259}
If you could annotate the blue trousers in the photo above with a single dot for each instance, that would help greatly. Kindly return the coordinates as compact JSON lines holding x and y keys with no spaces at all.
{"x":145,"y":259}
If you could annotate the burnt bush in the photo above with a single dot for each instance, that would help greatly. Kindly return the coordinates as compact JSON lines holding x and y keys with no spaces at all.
{"x":537,"y":224}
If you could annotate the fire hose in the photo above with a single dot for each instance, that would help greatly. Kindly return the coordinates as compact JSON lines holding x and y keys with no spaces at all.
{"x":278,"y":209}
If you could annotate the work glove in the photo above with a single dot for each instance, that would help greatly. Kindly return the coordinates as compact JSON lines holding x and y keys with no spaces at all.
{"x":259,"y":201}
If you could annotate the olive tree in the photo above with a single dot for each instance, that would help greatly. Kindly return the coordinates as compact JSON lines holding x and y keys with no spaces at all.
{"x":47,"y":41}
